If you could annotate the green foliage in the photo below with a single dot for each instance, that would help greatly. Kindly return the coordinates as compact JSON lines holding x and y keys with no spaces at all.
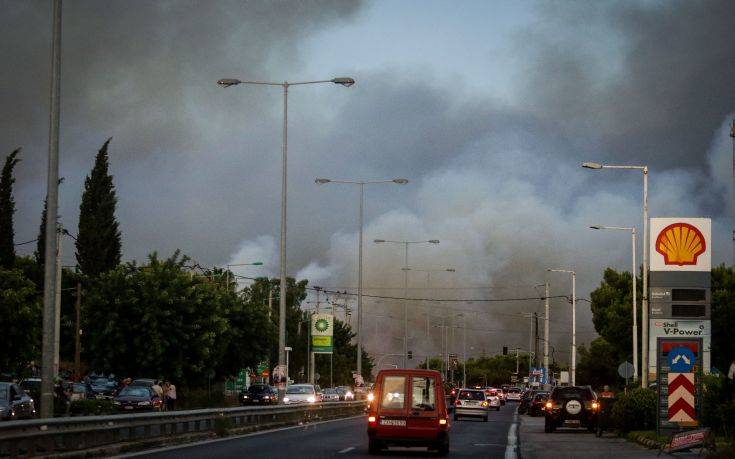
{"x":7,"y":209}
{"x":20,"y":321}
{"x":723,"y":317}
{"x":635,"y":410}
{"x":160,"y":321}
{"x":91,"y":407}
{"x":98,"y":239}
{"x":490,"y":371}
{"x":40,"y":253}
{"x":718,"y":405}
{"x":612,"y":313}
{"x":597,"y":365}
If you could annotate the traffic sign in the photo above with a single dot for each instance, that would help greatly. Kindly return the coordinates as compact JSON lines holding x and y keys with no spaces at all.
{"x":681,"y":360}
{"x":626,"y":370}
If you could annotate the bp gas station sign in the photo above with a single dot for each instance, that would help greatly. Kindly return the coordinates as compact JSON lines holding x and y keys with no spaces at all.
{"x":322,"y":333}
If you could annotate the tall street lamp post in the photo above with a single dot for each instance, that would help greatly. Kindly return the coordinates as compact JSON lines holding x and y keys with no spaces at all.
{"x":226,"y":83}
{"x":635,"y":307}
{"x":405,"y":289}
{"x":574,"y":320}
{"x":644,"y":303}
{"x":256,"y":263}
{"x":361,"y":185}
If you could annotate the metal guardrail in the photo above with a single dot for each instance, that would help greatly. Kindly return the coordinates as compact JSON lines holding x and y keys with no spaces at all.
{"x":105,"y":435}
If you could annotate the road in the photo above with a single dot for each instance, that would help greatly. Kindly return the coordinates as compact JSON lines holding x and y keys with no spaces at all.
{"x":346,"y":438}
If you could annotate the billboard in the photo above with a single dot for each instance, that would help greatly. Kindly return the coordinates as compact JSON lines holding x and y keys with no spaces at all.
{"x":322,"y":331}
{"x":678,"y":328}
{"x":681,"y":244}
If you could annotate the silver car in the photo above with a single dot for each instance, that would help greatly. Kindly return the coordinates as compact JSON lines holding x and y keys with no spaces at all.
{"x":300,"y":393}
{"x":471,"y":403}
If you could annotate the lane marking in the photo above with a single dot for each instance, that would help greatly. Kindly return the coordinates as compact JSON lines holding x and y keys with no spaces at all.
{"x":346,"y":450}
{"x":510,"y":449}
{"x":234,"y":437}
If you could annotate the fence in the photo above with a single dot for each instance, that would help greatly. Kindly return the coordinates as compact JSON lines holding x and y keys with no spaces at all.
{"x":105,"y":435}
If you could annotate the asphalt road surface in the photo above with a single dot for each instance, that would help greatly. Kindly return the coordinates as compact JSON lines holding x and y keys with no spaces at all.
{"x":346,"y":438}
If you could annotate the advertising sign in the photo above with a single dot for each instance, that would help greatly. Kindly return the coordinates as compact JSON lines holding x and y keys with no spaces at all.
{"x":322,"y":331}
{"x":679,"y":328}
{"x":681,"y":244}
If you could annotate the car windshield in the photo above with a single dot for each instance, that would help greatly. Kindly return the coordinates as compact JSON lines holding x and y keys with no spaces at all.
{"x":3,"y":392}
{"x":135,"y":392}
{"x":330,"y":391}
{"x":257,"y":389}
{"x":573,"y":392}
{"x":79,"y":388}
{"x":514,"y":390}
{"x":100,"y":382}
{"x":300,"y":390}
{"x":471,"y":395}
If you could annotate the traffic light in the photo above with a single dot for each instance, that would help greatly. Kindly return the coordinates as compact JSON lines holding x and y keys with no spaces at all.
{"x":505,"y":350}
{"x":410,"y":355}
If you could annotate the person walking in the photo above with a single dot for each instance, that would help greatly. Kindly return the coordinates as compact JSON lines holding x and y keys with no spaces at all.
{"x":170,"y":396}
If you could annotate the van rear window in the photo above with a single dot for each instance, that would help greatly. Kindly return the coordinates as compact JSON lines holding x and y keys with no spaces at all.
{"x":423,"y":394}
{"x":393,"y":394}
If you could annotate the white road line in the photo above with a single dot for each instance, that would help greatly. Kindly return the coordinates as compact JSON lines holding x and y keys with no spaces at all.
{"x":510,"y":449}
{"x":234,"y":437}
{"x":346,"y":450}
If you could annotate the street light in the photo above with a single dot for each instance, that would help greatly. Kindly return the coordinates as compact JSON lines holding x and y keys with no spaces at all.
{"x":635,"y":306}
{"x":574,"y":320}
{"x":405,"y":289}
{"x":361,"y":184}
{"x":226,"y":83}
{"x":644,"y":303}
{"x":257,"y":263}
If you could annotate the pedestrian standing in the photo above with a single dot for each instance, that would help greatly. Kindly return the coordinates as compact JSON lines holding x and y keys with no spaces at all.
{"x":171,"y":396}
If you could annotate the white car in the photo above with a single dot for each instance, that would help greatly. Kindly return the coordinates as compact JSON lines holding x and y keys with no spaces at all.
{"x":514,"y":394}
{"x":492,"y":398}
{"x":300,"y":393}
{"x":330,"y":395}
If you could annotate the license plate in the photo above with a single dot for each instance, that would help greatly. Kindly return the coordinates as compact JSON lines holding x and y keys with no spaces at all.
{"x":128,"y":407}
{"x":572,"y":422}
{"x":393,"y":422}
{"x":256,"y":401}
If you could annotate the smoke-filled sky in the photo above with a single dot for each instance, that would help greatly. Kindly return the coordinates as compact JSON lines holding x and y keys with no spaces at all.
{"x":487,"y":107}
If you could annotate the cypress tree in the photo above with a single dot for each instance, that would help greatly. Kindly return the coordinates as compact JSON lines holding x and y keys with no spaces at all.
{"x":7,"y":209}
{"x":98,"y":240}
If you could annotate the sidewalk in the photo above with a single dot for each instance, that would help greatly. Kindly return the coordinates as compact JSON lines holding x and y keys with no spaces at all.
{"x":579,"y":443}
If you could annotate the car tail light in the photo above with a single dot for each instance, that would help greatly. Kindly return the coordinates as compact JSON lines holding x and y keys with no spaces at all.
{"x":458,"y":403}
{"x":548,"y":405}
{"x":371,"y":419}
{"x":595,"y":405}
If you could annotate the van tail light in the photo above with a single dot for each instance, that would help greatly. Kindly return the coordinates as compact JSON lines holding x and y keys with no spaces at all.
{"x":371,"y":419}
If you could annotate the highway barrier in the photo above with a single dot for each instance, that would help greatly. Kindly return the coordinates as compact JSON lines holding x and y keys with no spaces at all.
{"x":106,"y":435}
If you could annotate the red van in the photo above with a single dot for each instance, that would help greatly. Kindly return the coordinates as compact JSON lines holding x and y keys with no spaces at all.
{"x":408,"y":409}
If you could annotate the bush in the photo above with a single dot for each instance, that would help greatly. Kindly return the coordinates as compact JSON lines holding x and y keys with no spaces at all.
{"x":718,"y":405}
{"x":91,"y":407}
{"x":635,"y":410}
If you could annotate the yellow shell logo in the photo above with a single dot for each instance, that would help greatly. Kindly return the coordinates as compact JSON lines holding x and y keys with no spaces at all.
{"x":680,"y":244}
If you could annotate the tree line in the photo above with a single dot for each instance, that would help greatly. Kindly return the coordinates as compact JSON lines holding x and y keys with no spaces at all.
{"x":161,"y":318}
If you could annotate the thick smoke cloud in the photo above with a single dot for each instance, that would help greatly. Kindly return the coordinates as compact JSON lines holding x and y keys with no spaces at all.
{"x":198,"y":167}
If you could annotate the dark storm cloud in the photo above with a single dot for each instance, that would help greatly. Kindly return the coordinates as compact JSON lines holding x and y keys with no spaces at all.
{"x":661,"y":102}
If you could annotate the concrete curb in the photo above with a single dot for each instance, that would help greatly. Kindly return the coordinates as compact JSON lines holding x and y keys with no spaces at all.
{"x":647,"y":442}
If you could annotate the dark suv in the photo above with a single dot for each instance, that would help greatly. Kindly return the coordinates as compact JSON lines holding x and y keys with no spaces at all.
{"x":259,"y":394}
{"x":572,"y":406}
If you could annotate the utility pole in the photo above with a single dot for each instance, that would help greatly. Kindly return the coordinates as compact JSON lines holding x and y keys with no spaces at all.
{"x":535,"y":333}
{"x":52,"y":200}
{"x":57,"y":303}
{"x":312,"y":355}
{"x":78,"y":335}
{"x":546,"y":331}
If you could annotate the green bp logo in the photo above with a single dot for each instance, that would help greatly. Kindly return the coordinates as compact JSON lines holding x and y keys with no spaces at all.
{"x":321,"y":325}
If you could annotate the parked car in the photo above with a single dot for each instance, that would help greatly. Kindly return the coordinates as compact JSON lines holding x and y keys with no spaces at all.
{"x":32,"y":387}
{"x":15,"y":403}
{"x":471,"y":403}
{"x":571,"y":406}
{"x":409,"y":409}
{"x":536,"y":406}
{"x":300,"y":393}
{"x":144,"y":382}
{"x":80,"y":391}
{"x":259,"y":394}
{"x":137,"y":398}
{"x":103,"y":387}
{"x":330,"y":394}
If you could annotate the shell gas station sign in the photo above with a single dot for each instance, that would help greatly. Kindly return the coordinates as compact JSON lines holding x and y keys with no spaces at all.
{"x":681,"y":244}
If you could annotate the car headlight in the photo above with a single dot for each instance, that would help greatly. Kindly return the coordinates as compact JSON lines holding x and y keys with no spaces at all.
{"x":116,"y":403}
{"x":349,"y":394}
{"x":265,"y":397}
{"x":311,"y":399}
{"x":285,"y":399}
{"x":144,"y":403}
